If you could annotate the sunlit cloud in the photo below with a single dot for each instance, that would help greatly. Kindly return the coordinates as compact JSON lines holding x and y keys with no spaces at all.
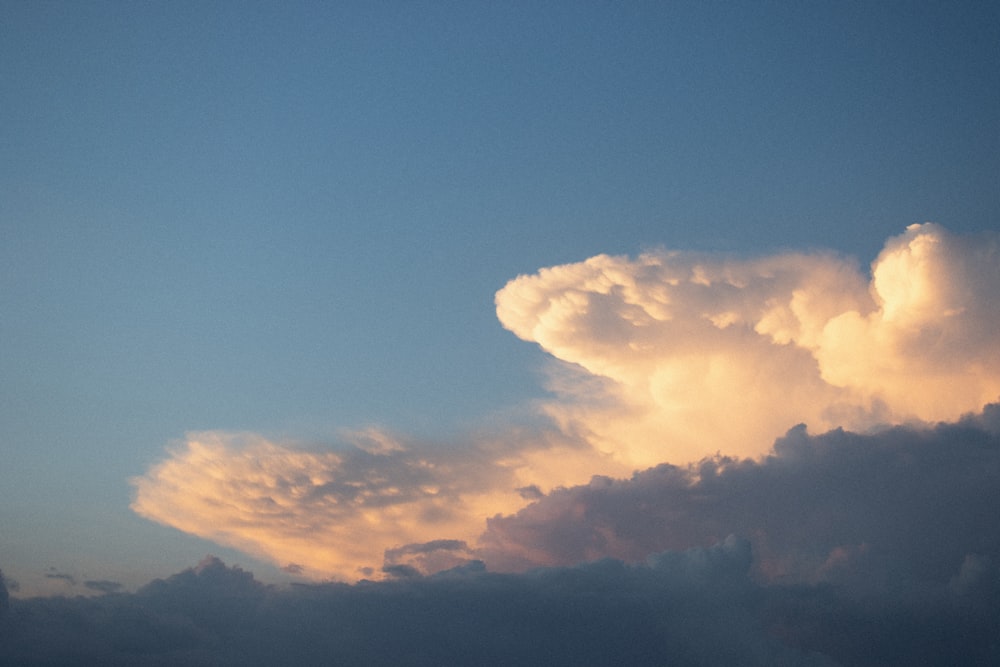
{"x":673,"y":356}
{"x":374,"y":502}
{"x":668,"y":357}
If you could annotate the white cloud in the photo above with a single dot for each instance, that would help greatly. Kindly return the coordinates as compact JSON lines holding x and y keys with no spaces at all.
{"x":700,"y":352}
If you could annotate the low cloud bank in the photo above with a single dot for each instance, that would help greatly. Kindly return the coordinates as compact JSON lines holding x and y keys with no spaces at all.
{"x":693,"y":607}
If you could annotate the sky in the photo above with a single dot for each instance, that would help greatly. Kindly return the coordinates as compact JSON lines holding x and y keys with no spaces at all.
{"x":300,"y":294}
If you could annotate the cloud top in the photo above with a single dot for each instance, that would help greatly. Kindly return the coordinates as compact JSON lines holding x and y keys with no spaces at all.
{"x":686,"y":354}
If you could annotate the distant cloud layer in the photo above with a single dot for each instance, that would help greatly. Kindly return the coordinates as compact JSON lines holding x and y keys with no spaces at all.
{"x":670,"y":357}
{"x":694,"y":607}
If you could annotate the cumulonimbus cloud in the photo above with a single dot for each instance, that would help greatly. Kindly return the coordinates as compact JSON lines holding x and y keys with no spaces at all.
{"x":669,"y":357}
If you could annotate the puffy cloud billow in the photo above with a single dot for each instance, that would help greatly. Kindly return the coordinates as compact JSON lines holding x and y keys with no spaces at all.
{"x":688,"y":354}
{"x":686,"y":368}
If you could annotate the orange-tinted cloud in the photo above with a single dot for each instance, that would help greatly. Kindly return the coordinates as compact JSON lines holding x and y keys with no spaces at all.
{"x":697,"y":353}
{"x":375,"y":501}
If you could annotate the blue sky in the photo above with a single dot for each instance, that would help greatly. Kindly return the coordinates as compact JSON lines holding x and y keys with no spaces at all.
{"x":292,"y":218}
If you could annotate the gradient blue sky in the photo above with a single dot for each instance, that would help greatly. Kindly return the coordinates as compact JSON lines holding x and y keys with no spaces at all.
{"x":292,"y":218}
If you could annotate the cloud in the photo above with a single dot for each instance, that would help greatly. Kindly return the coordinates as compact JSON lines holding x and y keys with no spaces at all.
{"x":697,"y":606}
{"x":9,"y":584}
{"x":670,"y":357}
{"x":790,"y":559}
{"x":62,"y":576}
{"x":341,"y":513}
{"x":103,"y":585}
{"x":433,"y":556}
{"x":896,"y":508}
{"x":670,"y":354}
{"x":4,"y":595}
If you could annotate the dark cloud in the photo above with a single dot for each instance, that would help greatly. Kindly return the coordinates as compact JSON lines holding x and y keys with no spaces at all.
{"x":531,"y":492}
{"x":678,"y":609}
{"x":426,"y":557}
{"x":4,"y":596}
{"x":103,"y":586}
{"x":401,"y":571}
{"x":8,"y":583}
{"x":892,"y":508}
{"x":427,"y":547}
{"x":701,"y":606}
{"x":68,"y":578}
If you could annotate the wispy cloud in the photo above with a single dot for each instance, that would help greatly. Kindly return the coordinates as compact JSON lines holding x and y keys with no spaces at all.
{"x":670,"y":357}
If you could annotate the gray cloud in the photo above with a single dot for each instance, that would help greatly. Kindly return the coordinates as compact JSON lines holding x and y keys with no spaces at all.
{"x":427,"y":557}
{"x":677,"y":609}
{"x":62,"y":576}
{"x":103,"y":585}
{"x":699,"y":606}
{"x":908,"y":504}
